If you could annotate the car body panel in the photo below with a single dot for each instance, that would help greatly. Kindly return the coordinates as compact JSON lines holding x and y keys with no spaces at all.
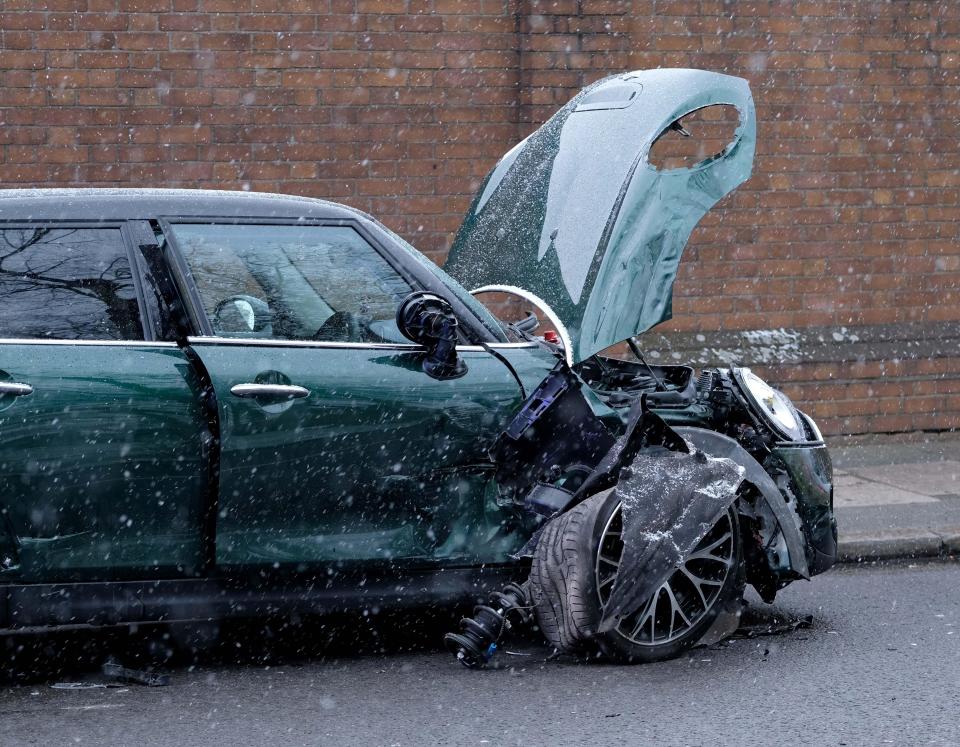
{"x":378,"y":462}
{"x":786,"y":513}
{"x":577,"y":215}
{"x":131,"y":204}
{"x":31,"y":608}
{"x":102,"y":469}
{"x":69,"y":549}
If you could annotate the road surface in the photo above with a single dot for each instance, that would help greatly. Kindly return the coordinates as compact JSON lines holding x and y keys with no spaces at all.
{"x":880,"y":665}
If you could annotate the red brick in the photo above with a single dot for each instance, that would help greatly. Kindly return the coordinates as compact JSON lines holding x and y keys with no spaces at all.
{"x":401,"y":106}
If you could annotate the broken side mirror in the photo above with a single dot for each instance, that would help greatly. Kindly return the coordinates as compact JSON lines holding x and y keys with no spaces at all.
{"x":427,"y":319}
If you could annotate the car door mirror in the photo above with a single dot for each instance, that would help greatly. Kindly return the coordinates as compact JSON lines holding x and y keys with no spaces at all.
{"x":428,"y":319}
{"x":243,"y":316}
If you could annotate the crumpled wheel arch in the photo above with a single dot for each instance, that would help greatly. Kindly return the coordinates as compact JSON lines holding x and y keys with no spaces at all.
{"x":718,"y":445}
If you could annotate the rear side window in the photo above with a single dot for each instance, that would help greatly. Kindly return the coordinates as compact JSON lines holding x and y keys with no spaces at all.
{"x":292,"y":282}
{"x":67,"y":284}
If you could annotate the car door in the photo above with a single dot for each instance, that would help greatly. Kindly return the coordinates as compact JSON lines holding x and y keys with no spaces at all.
{"x":102,"y":467}
{"x":335,"y":445}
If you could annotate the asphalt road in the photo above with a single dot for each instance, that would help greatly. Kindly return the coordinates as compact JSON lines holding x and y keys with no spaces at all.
{"x":881,"y":665}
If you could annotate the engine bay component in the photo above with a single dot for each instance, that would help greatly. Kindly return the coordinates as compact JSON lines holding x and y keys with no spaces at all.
{"x":555,"y":427}
{"x":475,"y":646}
{"x":619,"y":383}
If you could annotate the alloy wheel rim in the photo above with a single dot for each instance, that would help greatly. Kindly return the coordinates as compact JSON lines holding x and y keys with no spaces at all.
{"x":684,"y":598}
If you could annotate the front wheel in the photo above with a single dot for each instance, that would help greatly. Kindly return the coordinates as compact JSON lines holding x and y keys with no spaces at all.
{"x":573,"y":571}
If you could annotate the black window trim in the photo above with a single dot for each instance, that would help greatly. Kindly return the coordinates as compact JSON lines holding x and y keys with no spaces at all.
{"x":136,"y":271}
{"x":141,"y":275}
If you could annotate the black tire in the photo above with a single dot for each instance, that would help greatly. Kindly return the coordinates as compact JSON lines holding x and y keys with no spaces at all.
{"x":564,"y":586}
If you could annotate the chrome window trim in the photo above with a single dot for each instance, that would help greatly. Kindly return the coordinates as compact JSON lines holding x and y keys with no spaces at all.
{"x":812,"y":425}
{"x":498,"y":345}
{"x":127,"y":343}
{"x":264,"y":342}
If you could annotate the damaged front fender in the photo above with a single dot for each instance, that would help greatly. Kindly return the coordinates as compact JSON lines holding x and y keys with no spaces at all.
{"x":788,"y":521}
{"x":630,"y":519}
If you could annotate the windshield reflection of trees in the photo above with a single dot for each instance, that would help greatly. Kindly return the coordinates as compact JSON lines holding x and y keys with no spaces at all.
{"x":67,"y":283}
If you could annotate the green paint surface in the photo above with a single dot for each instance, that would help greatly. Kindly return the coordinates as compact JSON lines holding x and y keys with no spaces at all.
{"x":577,"y":215}
{"x":102,"y":470}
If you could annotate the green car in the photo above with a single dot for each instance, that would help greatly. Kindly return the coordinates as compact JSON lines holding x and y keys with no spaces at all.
{"x":226,"y":404}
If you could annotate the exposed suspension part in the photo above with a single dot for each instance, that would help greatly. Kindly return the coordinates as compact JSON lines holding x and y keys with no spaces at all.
{"x":475,"y":646}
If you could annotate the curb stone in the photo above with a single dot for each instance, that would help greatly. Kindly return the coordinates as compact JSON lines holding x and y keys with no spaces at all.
{"x":900,"y":543}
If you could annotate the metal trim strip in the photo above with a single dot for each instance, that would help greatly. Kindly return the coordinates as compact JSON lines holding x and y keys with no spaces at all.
{"x":112,"y":343}
{"x":542,"y":305}
{"x":258,"y":342}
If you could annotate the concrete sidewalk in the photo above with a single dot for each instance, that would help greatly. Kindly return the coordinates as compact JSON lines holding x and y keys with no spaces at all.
{"x":897,"y":496}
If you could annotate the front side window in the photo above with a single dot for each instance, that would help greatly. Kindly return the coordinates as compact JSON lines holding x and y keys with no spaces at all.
{"x":67,"y":284}
{"x":291,"y":282}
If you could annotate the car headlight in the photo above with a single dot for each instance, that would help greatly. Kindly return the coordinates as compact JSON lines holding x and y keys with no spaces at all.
{"x":772,"y":405}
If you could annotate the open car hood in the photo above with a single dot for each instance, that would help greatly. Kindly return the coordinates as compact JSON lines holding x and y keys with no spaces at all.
{"x":577,"y":216}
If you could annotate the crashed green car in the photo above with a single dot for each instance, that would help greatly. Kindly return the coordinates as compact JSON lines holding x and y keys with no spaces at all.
{"x":221,"y":404}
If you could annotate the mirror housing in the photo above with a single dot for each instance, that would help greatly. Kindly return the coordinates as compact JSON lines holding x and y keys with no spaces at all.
{"x":427,"y":319}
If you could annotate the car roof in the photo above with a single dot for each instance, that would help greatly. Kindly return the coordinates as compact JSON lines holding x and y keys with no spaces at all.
{"x":131,"y":203}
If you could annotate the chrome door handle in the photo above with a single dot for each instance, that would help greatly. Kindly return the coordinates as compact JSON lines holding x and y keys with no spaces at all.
{"x":273,"y":391}
{"x":14,"y":389}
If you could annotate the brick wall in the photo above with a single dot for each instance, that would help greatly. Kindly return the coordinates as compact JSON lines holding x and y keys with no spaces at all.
{"x":399,"y":107}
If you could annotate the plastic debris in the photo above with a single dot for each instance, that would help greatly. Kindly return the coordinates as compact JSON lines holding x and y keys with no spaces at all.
{"x":135,"y":676}
{"x":774,"y":628}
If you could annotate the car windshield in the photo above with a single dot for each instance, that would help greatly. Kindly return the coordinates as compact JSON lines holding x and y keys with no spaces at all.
{"x":292,"y":282}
